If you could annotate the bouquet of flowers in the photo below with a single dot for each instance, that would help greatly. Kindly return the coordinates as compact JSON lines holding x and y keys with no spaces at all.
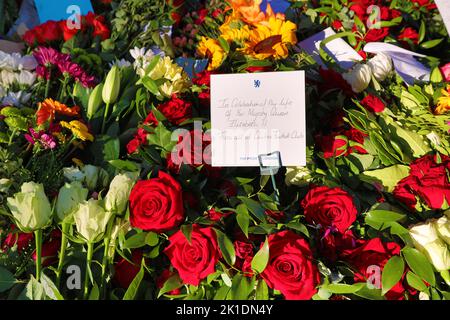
{"x":107,"y":190}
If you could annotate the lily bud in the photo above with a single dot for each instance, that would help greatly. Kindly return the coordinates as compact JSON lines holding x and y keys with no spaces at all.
{"x":31,"y":207}
{"x":95,"y":100}
{"x":358,"y":77}
{"x":111,"y":88}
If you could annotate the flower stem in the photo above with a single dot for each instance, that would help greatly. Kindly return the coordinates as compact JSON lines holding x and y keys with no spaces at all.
{"x":62,"y":252}
{"x":47,"y":86}
{"x":106,"y":258}
{"x":105,"y":116}
{"x":63,"y":90}
{"x":11,"y":138}
{"x":38,"y":239}
{"x":88,"y":266}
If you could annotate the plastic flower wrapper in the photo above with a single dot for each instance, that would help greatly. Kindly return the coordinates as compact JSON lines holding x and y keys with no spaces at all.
{"x":30,"y":207}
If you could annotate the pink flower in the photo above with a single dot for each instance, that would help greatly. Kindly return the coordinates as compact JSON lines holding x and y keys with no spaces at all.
{"x":445,"y":69}
{"x":47,"y":141}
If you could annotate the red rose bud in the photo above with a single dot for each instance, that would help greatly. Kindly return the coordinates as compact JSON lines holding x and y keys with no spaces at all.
{"x":50,"y":249}
{"x":22,"y":240}
{"x":373,"y":103}
{"x":409,"y":33}
{"x":197,"y":259}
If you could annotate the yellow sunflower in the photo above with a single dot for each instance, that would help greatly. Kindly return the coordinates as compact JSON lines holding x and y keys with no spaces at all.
{"x":211,"y":49}
{"x":443,"y":104}
{"x":79,"y":130}
{"x":271,"y":39}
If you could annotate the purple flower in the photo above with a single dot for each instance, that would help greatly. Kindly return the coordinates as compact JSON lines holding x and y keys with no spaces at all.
{"x":47,"y":141}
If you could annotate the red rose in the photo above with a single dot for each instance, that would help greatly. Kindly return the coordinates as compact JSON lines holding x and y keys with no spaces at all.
{"x":332,"y":244}
{"x":67,"y":32}
{"x":50,"y":31}
{"x":125,"y":272}
{"x":332,"y":146}
{"x":373,"y":253}
{"x":373,"y":103}
{"x":176,"y":110}
{"x":50,"y":249}
{"x":376,"y":34}
{"x":409,"y":33}
{"x":243,"y":249}
{"x":255,"y":69}
{"x":429,"y":4}
{"x":156,"y":204}
{"x":337,"y":24}
{"x":333,"y":80}
{"x":215,"y":215}
{"x":139,"y":139}
{"x":22,"y":240}
{"x":275,"y":216}
{"x":290,"y":268}
{"x":330,"y":208}
{"x":163,"y":277}
{"x":427,"y":180}
{"x":194,"y":260}
{"x":31,"y":38}
{"x":100,"y":29}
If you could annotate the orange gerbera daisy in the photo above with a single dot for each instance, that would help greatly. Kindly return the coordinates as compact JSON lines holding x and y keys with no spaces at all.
{"x":250,"y":11}
{"x":50,"y":107}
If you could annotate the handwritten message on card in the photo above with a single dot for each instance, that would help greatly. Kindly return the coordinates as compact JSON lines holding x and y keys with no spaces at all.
{"x":254,"y":114}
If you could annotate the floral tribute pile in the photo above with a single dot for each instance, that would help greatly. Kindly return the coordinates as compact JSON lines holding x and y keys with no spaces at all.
{"x":103,"y":195}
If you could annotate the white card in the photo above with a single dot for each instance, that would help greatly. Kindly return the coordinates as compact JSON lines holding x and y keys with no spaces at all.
{"x":444,"y":10}
{"x":258,"y":113}
{"x":344,"y":55}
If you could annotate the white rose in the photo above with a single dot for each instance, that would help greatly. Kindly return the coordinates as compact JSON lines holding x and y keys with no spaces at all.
{"x":426,"y":240}
{"x":298,"y":176}
{"x":119,"y":191}
{"x":358,"y":77}
{"x":73,"y":174}
{"x":91,"y":220}
{"x":69,"y":197}
{"x":442,"y":226}
{"x":381,"y":66}
{"x":31,"y":207}
{"x":91,"y":176}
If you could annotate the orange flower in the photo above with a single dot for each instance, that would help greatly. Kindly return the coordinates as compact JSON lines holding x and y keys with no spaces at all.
{"x":50,"y":107}
{"x":251,"y":13}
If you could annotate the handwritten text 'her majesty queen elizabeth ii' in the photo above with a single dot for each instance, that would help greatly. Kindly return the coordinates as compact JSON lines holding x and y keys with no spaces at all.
{"x":258,"y":114}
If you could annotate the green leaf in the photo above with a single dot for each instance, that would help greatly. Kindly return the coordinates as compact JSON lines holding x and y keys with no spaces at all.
{"x":340,"y":288}
{"x":370,"y":294}
{"x":135,"y":241}
{"x":388,"y":177}
{"x":241,"y":287}
{"x":150,"y":85}
{"x":431,"y":43}
{"x":419,"y":264}
{"x":186,"y":229}
{"x":50,"y":288}
{"x":152,"y":239}
{"x":436,"y":75}
{"x":385,"y":216}
{"x":174,"y":282}
{"x":33,"y":291}
{"x":261,"y":258}
{"x":227,"y":248}
{"x":392,"y":273}
{"x":262,"y":291}
{"x":94,"y":295}
{"x":7,"y":280}
{"x":222,"y":293}
{"x":422,"y":31}
{"x":254,"y":207}
{"x":243,"y":218}
{"x":124,"y":165}
{"x":415,"y":281}
{"x":134,"y":286}
{"x":299,"y":227}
